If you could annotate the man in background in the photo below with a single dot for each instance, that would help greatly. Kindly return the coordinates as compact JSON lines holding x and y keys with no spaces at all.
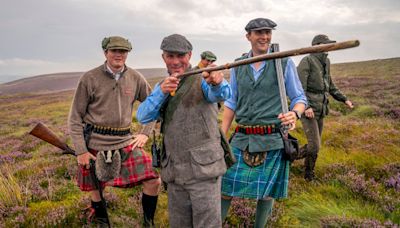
{"x":315,"y":77}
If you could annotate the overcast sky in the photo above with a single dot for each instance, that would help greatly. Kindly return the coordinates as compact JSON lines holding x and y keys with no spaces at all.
{"x":48,"y":36}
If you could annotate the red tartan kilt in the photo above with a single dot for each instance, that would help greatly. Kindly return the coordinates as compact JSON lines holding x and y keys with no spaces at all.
{"x":135,"y":168}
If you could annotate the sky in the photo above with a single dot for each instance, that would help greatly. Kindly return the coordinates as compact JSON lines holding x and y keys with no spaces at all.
{"x":51,"y":36}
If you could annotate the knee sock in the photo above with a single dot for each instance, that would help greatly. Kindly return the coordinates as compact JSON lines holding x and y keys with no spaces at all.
{"x":149,"y":205}
{"x":99,"y":209}
{"x":264,"y":210}
{"x":225,"y":204}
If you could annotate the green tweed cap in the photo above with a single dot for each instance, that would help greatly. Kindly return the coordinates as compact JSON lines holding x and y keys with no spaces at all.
{"x":321,"y":39}
{"x":116,"y":42}
{"x":176,"y":43}
{"x":208,"y":55}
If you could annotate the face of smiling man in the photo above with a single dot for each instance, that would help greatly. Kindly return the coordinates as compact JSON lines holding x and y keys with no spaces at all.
{"x":176,"y":62}
{"x":260,"y":40}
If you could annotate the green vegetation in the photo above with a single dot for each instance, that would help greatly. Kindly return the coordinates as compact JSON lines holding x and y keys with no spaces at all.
{"x":358,"y":169}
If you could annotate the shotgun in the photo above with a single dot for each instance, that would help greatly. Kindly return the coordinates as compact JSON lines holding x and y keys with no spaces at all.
{"x":42,"y":132}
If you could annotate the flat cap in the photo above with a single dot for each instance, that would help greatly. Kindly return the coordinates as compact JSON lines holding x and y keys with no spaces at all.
{"x":116,"y":42}
{"x":321,"y":39}
{"x":176,"y":43}
{"x":208,"y":55}
{"x":260,"y":24}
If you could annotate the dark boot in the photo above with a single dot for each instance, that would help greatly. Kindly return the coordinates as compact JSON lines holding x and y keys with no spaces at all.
{"x":149,"y":205}
{"x":309,"y":164}
{"x":100,"y":214}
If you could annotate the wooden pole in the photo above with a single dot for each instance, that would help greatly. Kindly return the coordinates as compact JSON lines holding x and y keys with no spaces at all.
{"x":282,"y":54}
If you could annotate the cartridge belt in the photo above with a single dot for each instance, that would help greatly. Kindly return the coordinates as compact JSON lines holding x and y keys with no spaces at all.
{"x":111,"y":130}
{"x":257,"y":130}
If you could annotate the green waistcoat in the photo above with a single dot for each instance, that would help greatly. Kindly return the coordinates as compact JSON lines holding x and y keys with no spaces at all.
{"x":258,"y":104}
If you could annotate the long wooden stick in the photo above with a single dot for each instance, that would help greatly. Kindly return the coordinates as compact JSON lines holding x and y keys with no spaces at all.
{"x":282,"y":54}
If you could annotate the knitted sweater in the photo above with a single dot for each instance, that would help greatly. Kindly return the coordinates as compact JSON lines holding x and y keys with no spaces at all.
{"x":101,"y":100}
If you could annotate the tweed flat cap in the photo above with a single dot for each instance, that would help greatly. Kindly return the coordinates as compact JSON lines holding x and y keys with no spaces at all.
{"x":259,"y":24}
{"x":208,"y":55}
{"x":321,"y":39}
{"x":176,"y":43}
{"x":116,"y":42}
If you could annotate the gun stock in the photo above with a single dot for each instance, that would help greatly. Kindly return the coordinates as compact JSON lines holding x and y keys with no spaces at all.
{"x":42,"y":132}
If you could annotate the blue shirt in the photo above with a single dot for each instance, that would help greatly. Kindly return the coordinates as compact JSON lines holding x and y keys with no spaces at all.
{"x":294,"y":90}
{"x":149,"y":109}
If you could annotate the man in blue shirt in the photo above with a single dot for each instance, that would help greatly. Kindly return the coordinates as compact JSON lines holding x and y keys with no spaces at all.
{"x":261,"y":173}
{"x":192,"y":160}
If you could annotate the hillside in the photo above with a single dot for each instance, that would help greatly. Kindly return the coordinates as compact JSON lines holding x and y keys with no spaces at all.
{"x":59,"y":82}
{"x":358,"y":168}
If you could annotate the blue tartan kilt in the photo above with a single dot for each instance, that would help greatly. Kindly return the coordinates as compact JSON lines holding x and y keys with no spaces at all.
{"x":271,"y":179}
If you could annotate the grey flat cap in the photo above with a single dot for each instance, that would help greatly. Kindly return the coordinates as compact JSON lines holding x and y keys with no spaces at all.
{"x":260,"y":24}
{"x":321,"y":39}
{"x":176,"y":43}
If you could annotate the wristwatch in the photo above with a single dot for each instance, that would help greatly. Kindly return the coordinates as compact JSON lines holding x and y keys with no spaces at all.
{"x":298,"y":114}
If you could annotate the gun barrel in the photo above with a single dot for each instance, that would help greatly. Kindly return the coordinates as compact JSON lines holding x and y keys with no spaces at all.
{"x":282,"y":54}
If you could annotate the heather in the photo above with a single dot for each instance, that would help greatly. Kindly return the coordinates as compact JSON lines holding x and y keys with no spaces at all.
{"x":358,"y":169}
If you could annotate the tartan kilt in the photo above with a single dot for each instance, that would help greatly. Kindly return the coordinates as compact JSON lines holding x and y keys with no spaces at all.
{"x":271,"y":179}
{"x":136,"y":167}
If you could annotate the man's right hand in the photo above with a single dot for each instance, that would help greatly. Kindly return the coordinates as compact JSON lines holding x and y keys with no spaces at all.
{"x":84,"y":159}
{"x":170,"y":84}
{"x":309,"y":113}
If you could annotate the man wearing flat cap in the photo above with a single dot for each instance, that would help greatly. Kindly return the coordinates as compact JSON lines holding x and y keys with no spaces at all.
{"x":192,"y":160}
{"x":314,"y":73}
{"x":100,"y":127}
{"x":207,"y":58}
{"x":261,"y":172}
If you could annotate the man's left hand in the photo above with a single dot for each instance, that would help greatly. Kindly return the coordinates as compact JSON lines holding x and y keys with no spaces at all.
{"x":349,"y":103}
{"x":288,"y":118}
{"x":140,"y":140}
{"x":214,"y":77}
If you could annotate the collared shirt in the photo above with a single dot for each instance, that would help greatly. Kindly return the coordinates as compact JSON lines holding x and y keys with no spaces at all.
{"x":149,"y":110}
{"x":116,"y":75}
{"x":292,"y":83}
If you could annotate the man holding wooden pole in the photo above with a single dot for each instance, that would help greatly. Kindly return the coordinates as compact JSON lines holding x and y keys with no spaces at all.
{"x":261,"y":172}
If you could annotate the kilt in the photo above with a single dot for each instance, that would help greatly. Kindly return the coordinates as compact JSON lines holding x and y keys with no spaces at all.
{"x":270,"y":179}
{"x":135,"y":167}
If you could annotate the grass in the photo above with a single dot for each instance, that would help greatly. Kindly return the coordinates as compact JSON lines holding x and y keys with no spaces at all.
{"x":358,"y":167}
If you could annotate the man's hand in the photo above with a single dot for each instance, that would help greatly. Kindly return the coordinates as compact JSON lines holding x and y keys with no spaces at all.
{"x":214,"y":77}
{"x":288,"y":118}
{"x":309,"y":113}
{"x":349,"y":103}
{"x":140,"y":140}
{"x":170,"y":84}
{"x":84,"y":159}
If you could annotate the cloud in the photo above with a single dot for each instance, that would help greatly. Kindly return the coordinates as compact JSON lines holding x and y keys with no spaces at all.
{"x":39,"y":36}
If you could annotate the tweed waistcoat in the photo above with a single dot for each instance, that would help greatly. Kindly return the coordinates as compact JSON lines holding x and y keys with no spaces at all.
{"x":192,"y":140}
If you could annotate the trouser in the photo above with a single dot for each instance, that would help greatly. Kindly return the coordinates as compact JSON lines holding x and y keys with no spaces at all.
{"x":195,"y":205}
{"x":313,"y":130}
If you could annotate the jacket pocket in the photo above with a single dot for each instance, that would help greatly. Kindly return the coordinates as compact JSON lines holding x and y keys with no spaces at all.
{"x":167,"y":174}
{"x":208,"y":161}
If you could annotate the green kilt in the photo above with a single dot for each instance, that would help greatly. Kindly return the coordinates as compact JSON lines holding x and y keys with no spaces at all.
{"x":271,"y":179}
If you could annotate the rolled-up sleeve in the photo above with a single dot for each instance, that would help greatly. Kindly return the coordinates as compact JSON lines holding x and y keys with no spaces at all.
{"x":149,"y":109}
{"x":294,"y":89}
